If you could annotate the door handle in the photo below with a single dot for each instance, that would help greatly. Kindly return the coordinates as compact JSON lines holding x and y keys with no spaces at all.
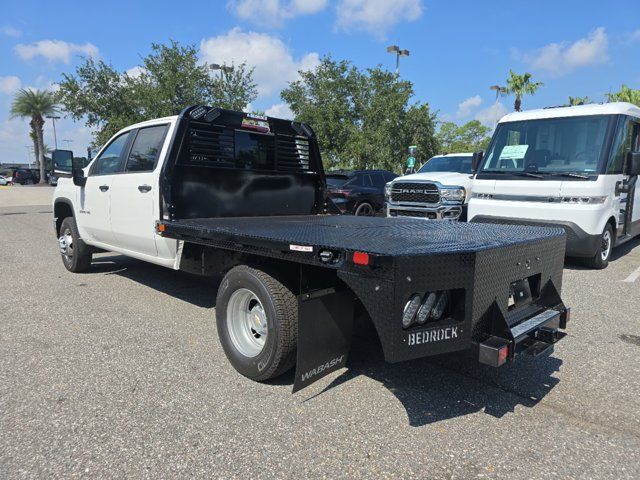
{"x":104,"y":188}
{"x":144,"y":188}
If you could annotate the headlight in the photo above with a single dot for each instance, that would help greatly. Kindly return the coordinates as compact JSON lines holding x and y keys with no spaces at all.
{"x":387,"y":190}
{"x":456,"y":194}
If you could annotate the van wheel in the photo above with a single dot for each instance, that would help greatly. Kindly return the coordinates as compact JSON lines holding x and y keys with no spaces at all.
{"x":76,"y":255}
{"x":257,"y":322}
{"x":601,"y":259}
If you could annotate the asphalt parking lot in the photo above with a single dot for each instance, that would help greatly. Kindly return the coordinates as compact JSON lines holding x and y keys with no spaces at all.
{"x":118,"y":372}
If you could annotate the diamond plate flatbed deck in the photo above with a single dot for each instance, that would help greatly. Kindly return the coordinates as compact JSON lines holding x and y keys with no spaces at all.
{"x":374,"y":235}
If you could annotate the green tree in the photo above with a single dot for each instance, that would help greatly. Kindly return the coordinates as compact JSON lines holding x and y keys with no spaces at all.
{"x":35,"y":105}
{"x":521,"y":85}
{"x":625,"y":94}
{"x":362,"y":118}
{"x":579,"y":100}
{"x":470,"y":137}
{"x":171,"y":78}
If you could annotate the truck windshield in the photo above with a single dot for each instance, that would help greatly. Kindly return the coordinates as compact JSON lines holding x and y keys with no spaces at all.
{"x":460,"y":164}
{"x":553,"y":146}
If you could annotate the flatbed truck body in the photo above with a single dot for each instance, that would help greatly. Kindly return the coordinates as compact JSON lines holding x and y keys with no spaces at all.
{"x":245,"y":197}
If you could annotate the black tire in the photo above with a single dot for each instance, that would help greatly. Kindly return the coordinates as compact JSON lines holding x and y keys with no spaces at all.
{"x":600,"y":260}
{"x":365,"y":209}
{"x":80,"y":256}
{"x":280,"y":306}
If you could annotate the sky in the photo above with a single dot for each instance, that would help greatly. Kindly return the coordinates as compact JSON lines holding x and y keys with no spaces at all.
{"x":457,"y":48}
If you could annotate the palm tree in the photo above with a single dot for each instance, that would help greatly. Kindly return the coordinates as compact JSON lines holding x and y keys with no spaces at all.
{"x":520,"y":85}
{"x":625,"y":94}
{"x":579,"y":100}
{"x":35,"y":105}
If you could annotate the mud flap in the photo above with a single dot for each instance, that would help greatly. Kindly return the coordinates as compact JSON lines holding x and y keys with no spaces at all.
{"x":325,"y":322}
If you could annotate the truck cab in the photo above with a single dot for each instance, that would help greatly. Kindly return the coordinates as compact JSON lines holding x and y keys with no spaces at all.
{"x":439,"y":190}
{"x":573,"y":167}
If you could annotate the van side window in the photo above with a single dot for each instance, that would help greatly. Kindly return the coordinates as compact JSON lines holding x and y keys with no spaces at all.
{"x":621,"y":145}
{"x":146,"y":149}
{"x":109,"y":160}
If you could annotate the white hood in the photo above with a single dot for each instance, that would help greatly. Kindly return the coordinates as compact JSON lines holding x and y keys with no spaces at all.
{"x":452,"y":179}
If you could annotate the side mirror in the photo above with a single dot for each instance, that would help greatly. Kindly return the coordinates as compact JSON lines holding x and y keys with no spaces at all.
{"x":633,"y":164}
{"x":79,"y":180}
{"x":476,"y":160}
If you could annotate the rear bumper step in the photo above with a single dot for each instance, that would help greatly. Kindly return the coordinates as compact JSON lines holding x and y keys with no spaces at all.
{"x":535,"y":336}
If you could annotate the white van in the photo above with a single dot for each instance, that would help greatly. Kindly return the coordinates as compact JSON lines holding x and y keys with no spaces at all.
{"x":574,"y":167}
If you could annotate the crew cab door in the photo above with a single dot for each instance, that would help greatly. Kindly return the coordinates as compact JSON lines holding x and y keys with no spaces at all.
{"x":94,"y":219}
{"x":134,"y":192}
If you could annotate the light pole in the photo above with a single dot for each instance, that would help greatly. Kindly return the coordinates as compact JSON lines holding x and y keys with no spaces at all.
{"x":55,"y":137}
{"x":399,"y":53}
{"x":499,"y":91}
{"x":223,"y":68}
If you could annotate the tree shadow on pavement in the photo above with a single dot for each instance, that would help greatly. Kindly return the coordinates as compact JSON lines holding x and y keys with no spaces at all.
{"x":448,"y":386}
{"x":199,"y":291}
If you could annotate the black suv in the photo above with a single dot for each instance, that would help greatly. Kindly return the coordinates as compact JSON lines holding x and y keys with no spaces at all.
{"x":360,"y":192}
{"x":25,"y":176}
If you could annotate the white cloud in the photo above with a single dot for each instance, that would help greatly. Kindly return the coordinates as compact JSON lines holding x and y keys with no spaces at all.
{"x":274,"y":64}
{"x":376,"y":16}
{"x":136,"y":71}
{"x":488,"y":115}
{"x":10,"y":84}
{"x":469,"y":105}
{"x":55,"y":50}
{"x":280,"y":110}
{"x":634,"y":36}
{"x":10,"y":31}
{"x":273,"y":13}
{"x":561,"y":58}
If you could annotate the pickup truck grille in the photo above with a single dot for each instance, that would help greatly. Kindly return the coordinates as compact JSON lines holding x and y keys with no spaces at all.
{"x":415,"y":192}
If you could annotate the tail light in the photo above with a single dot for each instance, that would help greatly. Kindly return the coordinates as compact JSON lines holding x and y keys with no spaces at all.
{"x":410,"y":310}
{"x":433,"y":307}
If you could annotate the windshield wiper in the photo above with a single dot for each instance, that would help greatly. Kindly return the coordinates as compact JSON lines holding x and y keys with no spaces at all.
{"x":569,"y":174}
{"x":527,"y":174}
{"x":511,"y":172}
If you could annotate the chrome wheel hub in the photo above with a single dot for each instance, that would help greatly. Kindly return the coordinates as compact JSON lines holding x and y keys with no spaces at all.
{"x":65,"y":242}
{"x":605,"y":248}
{"x":246,"y":322}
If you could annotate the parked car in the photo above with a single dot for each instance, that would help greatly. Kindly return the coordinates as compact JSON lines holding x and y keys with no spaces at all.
{"x":359,"y":192}
{"x":26,"y":176}
{"x":5,"y":180}
{"x":439,"y":190}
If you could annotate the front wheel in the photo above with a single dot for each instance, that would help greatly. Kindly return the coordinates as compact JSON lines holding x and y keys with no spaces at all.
{"x":602,"y":256}
{"x":76,"y":255}
{"x":257,"y":322}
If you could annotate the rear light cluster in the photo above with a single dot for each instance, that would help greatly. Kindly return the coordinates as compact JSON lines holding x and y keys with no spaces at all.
{"x":421,"y":309}
{"x":341,"y":193}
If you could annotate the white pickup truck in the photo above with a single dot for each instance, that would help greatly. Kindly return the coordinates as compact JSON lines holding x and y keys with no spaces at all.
{"x":221,"y":193}
{"x":439,"y":190}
